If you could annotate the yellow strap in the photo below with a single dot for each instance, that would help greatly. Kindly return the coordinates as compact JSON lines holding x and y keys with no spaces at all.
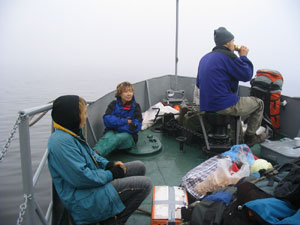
{"x":57,"y":126}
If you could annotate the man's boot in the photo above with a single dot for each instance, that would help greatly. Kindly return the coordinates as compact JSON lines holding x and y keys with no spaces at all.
{"x":253,"y":139}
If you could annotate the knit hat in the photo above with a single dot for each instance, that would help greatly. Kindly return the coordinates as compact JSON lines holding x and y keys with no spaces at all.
{"x":65,"y":112}
{"x":222,"y":36}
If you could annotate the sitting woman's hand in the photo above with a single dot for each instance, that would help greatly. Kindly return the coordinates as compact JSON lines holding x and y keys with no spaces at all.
{"x":117,"y":172}
{"x":119,"y":163}
{"x":112,"y":164}
{"x":133,"y":126}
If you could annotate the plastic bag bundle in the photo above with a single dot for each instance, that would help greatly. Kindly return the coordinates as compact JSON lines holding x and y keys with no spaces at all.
{"x":223,"y":176}
{"x":237,"y":150}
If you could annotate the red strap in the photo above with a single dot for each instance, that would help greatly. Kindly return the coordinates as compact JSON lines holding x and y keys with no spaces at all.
{"x":127,"y":107}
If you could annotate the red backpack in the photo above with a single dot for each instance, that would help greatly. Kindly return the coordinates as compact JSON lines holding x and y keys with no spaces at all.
{"x":267,"y":85}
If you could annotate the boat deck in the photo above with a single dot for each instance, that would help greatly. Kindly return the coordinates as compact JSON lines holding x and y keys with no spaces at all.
{"x":166,"y":167}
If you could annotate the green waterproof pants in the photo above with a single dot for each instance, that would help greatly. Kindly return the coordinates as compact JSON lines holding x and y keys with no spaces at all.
{"x":113,"y":140}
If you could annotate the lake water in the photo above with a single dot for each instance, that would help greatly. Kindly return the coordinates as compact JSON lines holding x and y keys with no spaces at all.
{"x":18,"y":93}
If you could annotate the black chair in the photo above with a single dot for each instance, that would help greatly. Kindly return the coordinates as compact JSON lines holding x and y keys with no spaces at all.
{"x":218,"y":139}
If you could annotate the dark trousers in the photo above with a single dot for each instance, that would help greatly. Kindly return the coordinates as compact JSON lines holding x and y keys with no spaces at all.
{"x":133,"y":189}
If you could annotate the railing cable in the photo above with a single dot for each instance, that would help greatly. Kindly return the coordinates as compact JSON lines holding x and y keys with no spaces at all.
{"x":5,"y":147}
{"x":23,"y":208}
{"x":10,"y":138}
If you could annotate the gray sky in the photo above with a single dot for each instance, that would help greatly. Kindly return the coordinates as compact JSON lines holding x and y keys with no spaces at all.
{"x":134,"y":40}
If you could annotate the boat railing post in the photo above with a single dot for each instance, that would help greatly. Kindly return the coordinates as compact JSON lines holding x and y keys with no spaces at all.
{"x":176,"y":42}
{"x":148,"y":94}
{"x":26,"y":166}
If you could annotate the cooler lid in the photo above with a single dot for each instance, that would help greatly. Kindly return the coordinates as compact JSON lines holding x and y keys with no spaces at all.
{"x":284,"y":146}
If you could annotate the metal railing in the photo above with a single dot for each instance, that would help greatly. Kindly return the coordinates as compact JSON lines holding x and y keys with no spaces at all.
{"x":30,"y":206}
{"x":29,"y":180}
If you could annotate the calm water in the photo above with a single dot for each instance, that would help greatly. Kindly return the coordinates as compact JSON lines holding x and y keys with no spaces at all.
{"x":19,"y":93}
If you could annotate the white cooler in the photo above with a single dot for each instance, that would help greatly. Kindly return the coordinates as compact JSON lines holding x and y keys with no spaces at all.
{"x":281,"y":151}
{"x":167,"y":203}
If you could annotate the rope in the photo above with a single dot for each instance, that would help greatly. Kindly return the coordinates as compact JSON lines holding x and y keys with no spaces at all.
{"x":39,"y":117}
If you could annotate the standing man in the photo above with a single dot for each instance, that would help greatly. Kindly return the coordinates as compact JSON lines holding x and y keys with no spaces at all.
{"x":218,"y":78}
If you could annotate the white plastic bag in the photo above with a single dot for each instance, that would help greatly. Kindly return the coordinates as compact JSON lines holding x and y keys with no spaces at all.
{"x":149,"y":115}
{"x":223,"y":176}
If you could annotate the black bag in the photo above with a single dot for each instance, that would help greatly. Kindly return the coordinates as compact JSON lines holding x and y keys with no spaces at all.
{"x":270,"y":183}
{"x":235,"y":214}
{"x":289,"y":188}
{"x":209,"y":211}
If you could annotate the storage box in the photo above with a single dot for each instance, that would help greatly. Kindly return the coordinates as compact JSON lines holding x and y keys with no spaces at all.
{"x":281,"y":151}
{"x":167,"y":203}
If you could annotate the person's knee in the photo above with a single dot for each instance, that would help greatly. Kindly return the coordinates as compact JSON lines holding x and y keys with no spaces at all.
{"x":147,"y":185}
{"x":261,"y":104}
{"x":258,"y":102}
{"x":143,"y":185}
{"x":141,"y":167}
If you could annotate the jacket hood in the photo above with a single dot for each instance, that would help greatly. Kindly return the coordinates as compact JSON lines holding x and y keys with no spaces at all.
{"x":225,"y":50}
{"x":65,"y":112}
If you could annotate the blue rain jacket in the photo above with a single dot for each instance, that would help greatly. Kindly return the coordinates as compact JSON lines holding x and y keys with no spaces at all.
{"x":275,"y":211}
{"x":116,"y":117}
{"x":219,"y":73}
{"x":83,"y":187}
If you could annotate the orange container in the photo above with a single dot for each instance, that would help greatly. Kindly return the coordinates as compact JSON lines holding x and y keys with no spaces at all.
{"x":177,"y":107}
{"x":167,"y":203}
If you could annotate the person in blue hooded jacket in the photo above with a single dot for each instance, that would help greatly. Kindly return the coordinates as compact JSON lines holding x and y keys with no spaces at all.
{"x":122,"y":119}
{"x":90,"y":187}
{"x":219,"y":73}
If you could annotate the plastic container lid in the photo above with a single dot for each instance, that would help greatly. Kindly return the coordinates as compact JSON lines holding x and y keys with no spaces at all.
{"x":285,"y":146}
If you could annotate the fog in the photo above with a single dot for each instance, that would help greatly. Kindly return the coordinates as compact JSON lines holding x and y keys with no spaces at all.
{"x":110,"y":41}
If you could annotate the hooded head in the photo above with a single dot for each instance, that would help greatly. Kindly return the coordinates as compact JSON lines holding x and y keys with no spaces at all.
{"x":65,"y":112}
{"x":222,"y":36}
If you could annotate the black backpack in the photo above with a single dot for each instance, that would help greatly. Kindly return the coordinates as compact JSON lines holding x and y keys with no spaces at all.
{"x":282,"y":182}
{"x":210,"y":212}
{"x":235,"y":214}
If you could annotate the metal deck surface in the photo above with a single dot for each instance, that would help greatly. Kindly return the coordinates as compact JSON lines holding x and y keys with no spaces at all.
{"x":166,"y":167}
